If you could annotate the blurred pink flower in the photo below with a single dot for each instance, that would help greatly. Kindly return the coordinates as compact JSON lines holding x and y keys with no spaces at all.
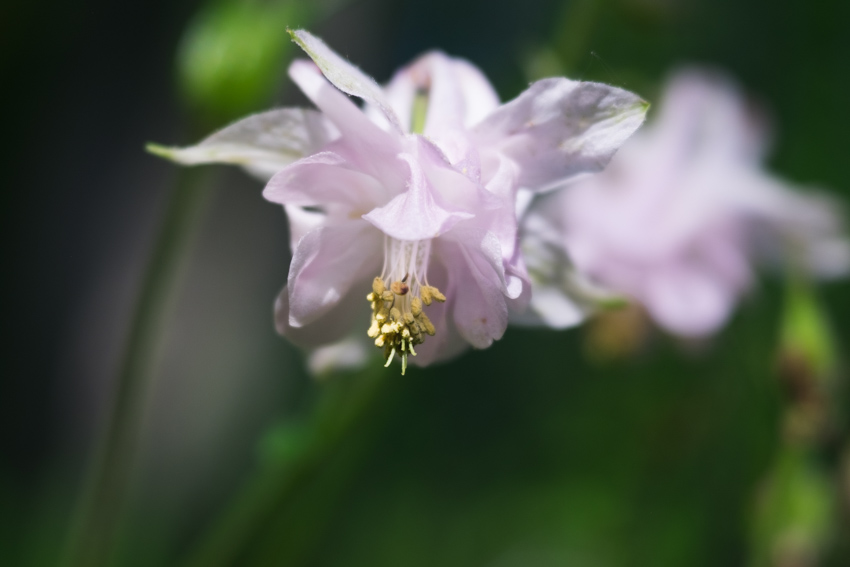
{"x":414,"y":197}
{"x":678,"y":218}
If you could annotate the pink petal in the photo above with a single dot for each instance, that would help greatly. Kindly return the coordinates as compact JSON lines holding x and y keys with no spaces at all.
{"x":480,"y":98}
{"x":345,"y":76}
{"x":558,"y":129}
{"x":688,"y":300}
{"x":459,"y":95}
{"x":325,"y":178}
{"x":447,"y":343}
{"x":707,"y":109}
{"x":326,"y":262}
{"x":415,"y":214}
{"x":263,"y":143}
{"x":335,"y":324}
{"x":474,"y":263}
{"x":350,"y":120}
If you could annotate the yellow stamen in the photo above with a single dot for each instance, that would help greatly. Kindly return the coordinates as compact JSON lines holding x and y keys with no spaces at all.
{"x":398,"y":320}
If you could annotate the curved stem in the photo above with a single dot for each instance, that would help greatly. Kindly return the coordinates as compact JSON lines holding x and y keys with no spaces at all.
{"x":98,"y":515}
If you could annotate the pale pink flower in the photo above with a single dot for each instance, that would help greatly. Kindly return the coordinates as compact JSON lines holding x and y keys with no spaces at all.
{"x":678,"y":219}
{"x":412,"y":200}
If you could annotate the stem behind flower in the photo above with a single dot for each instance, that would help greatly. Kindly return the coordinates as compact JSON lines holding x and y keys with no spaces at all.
{"x":98,"y":515}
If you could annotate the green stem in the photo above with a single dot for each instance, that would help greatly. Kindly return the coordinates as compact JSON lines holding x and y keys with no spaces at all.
{"x":99,"y":512}
{"x":271,"y":487}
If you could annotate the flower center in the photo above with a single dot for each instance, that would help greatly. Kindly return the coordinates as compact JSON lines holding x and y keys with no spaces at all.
{"x":398,"y":321}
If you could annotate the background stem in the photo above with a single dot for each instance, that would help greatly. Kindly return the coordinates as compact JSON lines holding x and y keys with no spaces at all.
{"x":99,"y":512}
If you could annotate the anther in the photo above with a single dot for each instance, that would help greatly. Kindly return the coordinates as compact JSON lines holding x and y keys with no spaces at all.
{"x":416,"y":306}
{"x":400,"y":288}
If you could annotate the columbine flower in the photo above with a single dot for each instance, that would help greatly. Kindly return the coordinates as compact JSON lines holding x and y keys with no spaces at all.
{"x":411,"y":202}
{"x":681,"y":213}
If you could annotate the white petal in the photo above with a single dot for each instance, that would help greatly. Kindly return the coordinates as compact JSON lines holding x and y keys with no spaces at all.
{"x":706,"y":109}
{"x":324,"y":178}
{"x":263,"y":143}
{"x":558,"y":129}
{"x":349,"y":353}
{"x":478,"y":286}
{"x":302,"y":221}
{"x":338,"y":322}
{"x":339,"y":109}
{"x":478,"y":94}
{"x":688,"y":300}
{"x":459,"y":95}
{"x":345,"y":76}
{"x":325,"y":265}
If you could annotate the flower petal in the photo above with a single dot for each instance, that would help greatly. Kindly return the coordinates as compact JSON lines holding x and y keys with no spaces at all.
{"x":477,"y":285}
{"x":415,"y":214}
{"x":345,"y":76}
{"x":558,"y":129}
{"x":707,"y":110}
{"x":263,"y":143}
{"x":326,"y":262}
{"x":479,"y":96}
{"x":447,"y":343}
{"x":350,"y":120}
{"x":688,"y":300}
{"x":335,"y":324}
{"x":561,"y":295}
{"x":459,"y":95}
{"x":302,"y":221}
{"x":349,"y":353}
{"x":322,"y":179}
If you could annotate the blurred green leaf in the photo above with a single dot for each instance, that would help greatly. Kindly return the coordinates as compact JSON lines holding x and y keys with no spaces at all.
{"x":232,"y":54}
{"x":794,"y":513}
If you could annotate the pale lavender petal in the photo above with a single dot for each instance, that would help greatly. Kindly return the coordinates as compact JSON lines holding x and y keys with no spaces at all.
{"x":688,"y":300}
{"x":263,"y":143}
{"x":447,"y":343}
{"x":562,"y":296}
{"x":350,"y":120}
{"x":558,"y":129}
{"x":415,"y":214}
{"x":400,"y":93}
{"x":325,"y":264}
{"x":459,"y":95}
{"x":302,"y":221}
{"x":335,"y":324}
{"x":347,"y":354}
{"x":446,"y":104}
{"x":479,"y":96}
{"x":325,"y":178}
{"x":477,"y":288}
{"x":706,"y":110}
{"x":345,"y":76}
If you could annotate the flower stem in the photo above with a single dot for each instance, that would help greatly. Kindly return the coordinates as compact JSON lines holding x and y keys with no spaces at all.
{"x":99,"y":511}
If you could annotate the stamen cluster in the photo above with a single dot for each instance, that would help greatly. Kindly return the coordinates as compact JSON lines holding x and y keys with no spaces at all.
{"x":398,"y":321}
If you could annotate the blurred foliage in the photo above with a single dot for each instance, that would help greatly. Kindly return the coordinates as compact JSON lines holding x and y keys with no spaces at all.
{"x":796,"y":510}
{"x":231,"y":55}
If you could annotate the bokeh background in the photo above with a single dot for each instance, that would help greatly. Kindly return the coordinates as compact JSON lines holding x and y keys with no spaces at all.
{"x":537,"y":451}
